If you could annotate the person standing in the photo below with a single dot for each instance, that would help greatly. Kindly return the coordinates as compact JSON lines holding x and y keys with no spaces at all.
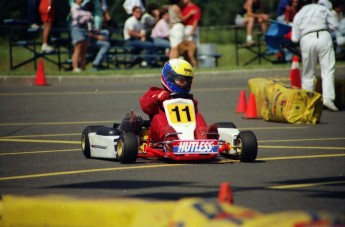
{"x":310,"y":28}
{"x":47,"y":13}
{"x":191,"y":15}
{"x":81,"y":24}
{"x":176,"y":28}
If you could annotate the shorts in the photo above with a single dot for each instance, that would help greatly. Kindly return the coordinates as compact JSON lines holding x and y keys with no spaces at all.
{"x":45,"y":15}
{"x":78,"y":34}
{"x":239,"y":20}
{"x":176,"y":34}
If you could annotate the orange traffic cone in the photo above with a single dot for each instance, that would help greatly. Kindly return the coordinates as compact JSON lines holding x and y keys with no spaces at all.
{"x":225,"y":194}
{"x":251,"y":109}
{"x":295,"y":76}
{"x":242,"y":103}
{"x":40,"y":75}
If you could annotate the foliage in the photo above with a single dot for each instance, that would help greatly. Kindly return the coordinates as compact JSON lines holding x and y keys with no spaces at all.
{"x":214,"y":12}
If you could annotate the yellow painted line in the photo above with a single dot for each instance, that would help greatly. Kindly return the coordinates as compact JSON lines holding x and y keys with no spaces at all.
{"x":301,"y":157}
{"x":275,"y":128}
{"x":303,"y":147}
{"x":150,"y":166}
{"x":88,"y":171}
{"x":97,"y":92}
{"x":300,"y":140}
{"x":39,"y":141}
{"x":56,"y":123}
{"x":47,"y":135}
{"x":38,"y":152}
{"x":289,"y":186}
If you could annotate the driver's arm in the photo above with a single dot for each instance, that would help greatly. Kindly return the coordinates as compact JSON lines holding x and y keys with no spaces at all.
{"x":152,"y":99}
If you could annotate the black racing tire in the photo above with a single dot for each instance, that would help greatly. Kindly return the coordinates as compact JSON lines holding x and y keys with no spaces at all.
{"x":127,"y":148}
{"x":247,"y":146}
{"x":85,"y":142}
{"x":225,"y":125}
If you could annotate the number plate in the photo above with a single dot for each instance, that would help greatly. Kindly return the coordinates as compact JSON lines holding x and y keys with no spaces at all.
{"x":181,"y":113}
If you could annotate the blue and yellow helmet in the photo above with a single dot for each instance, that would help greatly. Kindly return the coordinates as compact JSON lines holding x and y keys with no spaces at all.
{"x":177,"y":76}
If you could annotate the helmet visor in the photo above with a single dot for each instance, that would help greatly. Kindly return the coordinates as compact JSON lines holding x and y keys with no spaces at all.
{"x":183,"y":82}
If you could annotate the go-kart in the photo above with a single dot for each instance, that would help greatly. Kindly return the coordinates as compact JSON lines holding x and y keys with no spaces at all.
{"x":128,"y":141}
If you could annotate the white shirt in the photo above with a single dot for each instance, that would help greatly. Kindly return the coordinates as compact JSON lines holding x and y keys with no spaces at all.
{"x":132,"y":24}
{"x":312,"y":18}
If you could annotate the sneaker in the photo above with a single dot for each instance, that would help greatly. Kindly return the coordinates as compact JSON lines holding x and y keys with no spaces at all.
{"x":46,"y":48}
{"x":77,"y":70}
{"x":144,"y":64}
{"x":250,"y":42}
{"x":330,"y":105}
{"x":34,"y":26}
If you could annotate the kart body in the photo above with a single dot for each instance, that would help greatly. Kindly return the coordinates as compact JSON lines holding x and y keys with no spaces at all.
{"x":126,"y":147}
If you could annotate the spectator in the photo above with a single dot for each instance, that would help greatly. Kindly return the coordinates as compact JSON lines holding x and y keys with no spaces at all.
{"x":96,"y":11}
{"x":251,"y":13}
{"x":311,"y":27}
{"x":161,"y":31}
{"x":176,"y":28}
{"x":33,"y":14}
{"x":191,"y":15}
{"x":98,"y":42}
{"x":150,"y":18}
{"x":107,"y":23}
{"x":326,"y":3}
{"x":339,"y":34}
{"x":291,"y":10}
{"x":135,"y":36}
{"x":81,"y":23}
{"x":281,"y":10}
{"x":129,"y":4}
{"x":47,"y":12}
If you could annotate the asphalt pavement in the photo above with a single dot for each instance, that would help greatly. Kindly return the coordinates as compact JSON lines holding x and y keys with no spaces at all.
{"x":299,"y":166}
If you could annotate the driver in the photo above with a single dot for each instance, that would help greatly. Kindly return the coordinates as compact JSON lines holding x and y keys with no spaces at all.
{"x":177,"y":76}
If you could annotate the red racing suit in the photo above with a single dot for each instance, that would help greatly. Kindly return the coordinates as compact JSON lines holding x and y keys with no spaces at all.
{"x":154,"y":108}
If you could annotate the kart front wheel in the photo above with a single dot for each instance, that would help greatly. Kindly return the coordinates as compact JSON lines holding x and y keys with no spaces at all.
{"x":127,"y":148}
{"x":246,"y":146}
{"x":85,"y":143}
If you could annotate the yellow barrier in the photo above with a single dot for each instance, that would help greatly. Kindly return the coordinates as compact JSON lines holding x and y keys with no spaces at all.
{"x":57,"y":211}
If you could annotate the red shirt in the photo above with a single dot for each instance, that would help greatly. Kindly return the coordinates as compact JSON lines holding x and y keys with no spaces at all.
{"x":290,"y":13}
{"x":192,"y":19}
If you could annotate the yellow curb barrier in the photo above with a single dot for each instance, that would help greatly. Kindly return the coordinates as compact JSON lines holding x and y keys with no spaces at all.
{"x":53,"y":211}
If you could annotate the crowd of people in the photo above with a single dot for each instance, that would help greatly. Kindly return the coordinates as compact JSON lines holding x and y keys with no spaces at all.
{"x":149,"y":28}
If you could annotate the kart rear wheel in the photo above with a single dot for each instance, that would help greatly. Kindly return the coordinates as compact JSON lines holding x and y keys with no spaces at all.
{"x":85,"y":143}
{"x":127,"y":148}
{"x":247,"y":146}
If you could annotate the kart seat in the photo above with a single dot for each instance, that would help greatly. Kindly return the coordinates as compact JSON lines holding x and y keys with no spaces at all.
{"x":107,"y":131}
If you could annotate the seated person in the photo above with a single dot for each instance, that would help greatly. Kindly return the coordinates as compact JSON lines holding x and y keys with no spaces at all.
{"x":177,"y":77}
{"x":250,"y":14}
{"x":161,"y":31}
{"x":99,"y":43}
{"x":135,"y":36}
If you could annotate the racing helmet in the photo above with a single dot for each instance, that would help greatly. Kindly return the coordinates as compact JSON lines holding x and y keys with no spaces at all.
{"x":177,"y":76}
